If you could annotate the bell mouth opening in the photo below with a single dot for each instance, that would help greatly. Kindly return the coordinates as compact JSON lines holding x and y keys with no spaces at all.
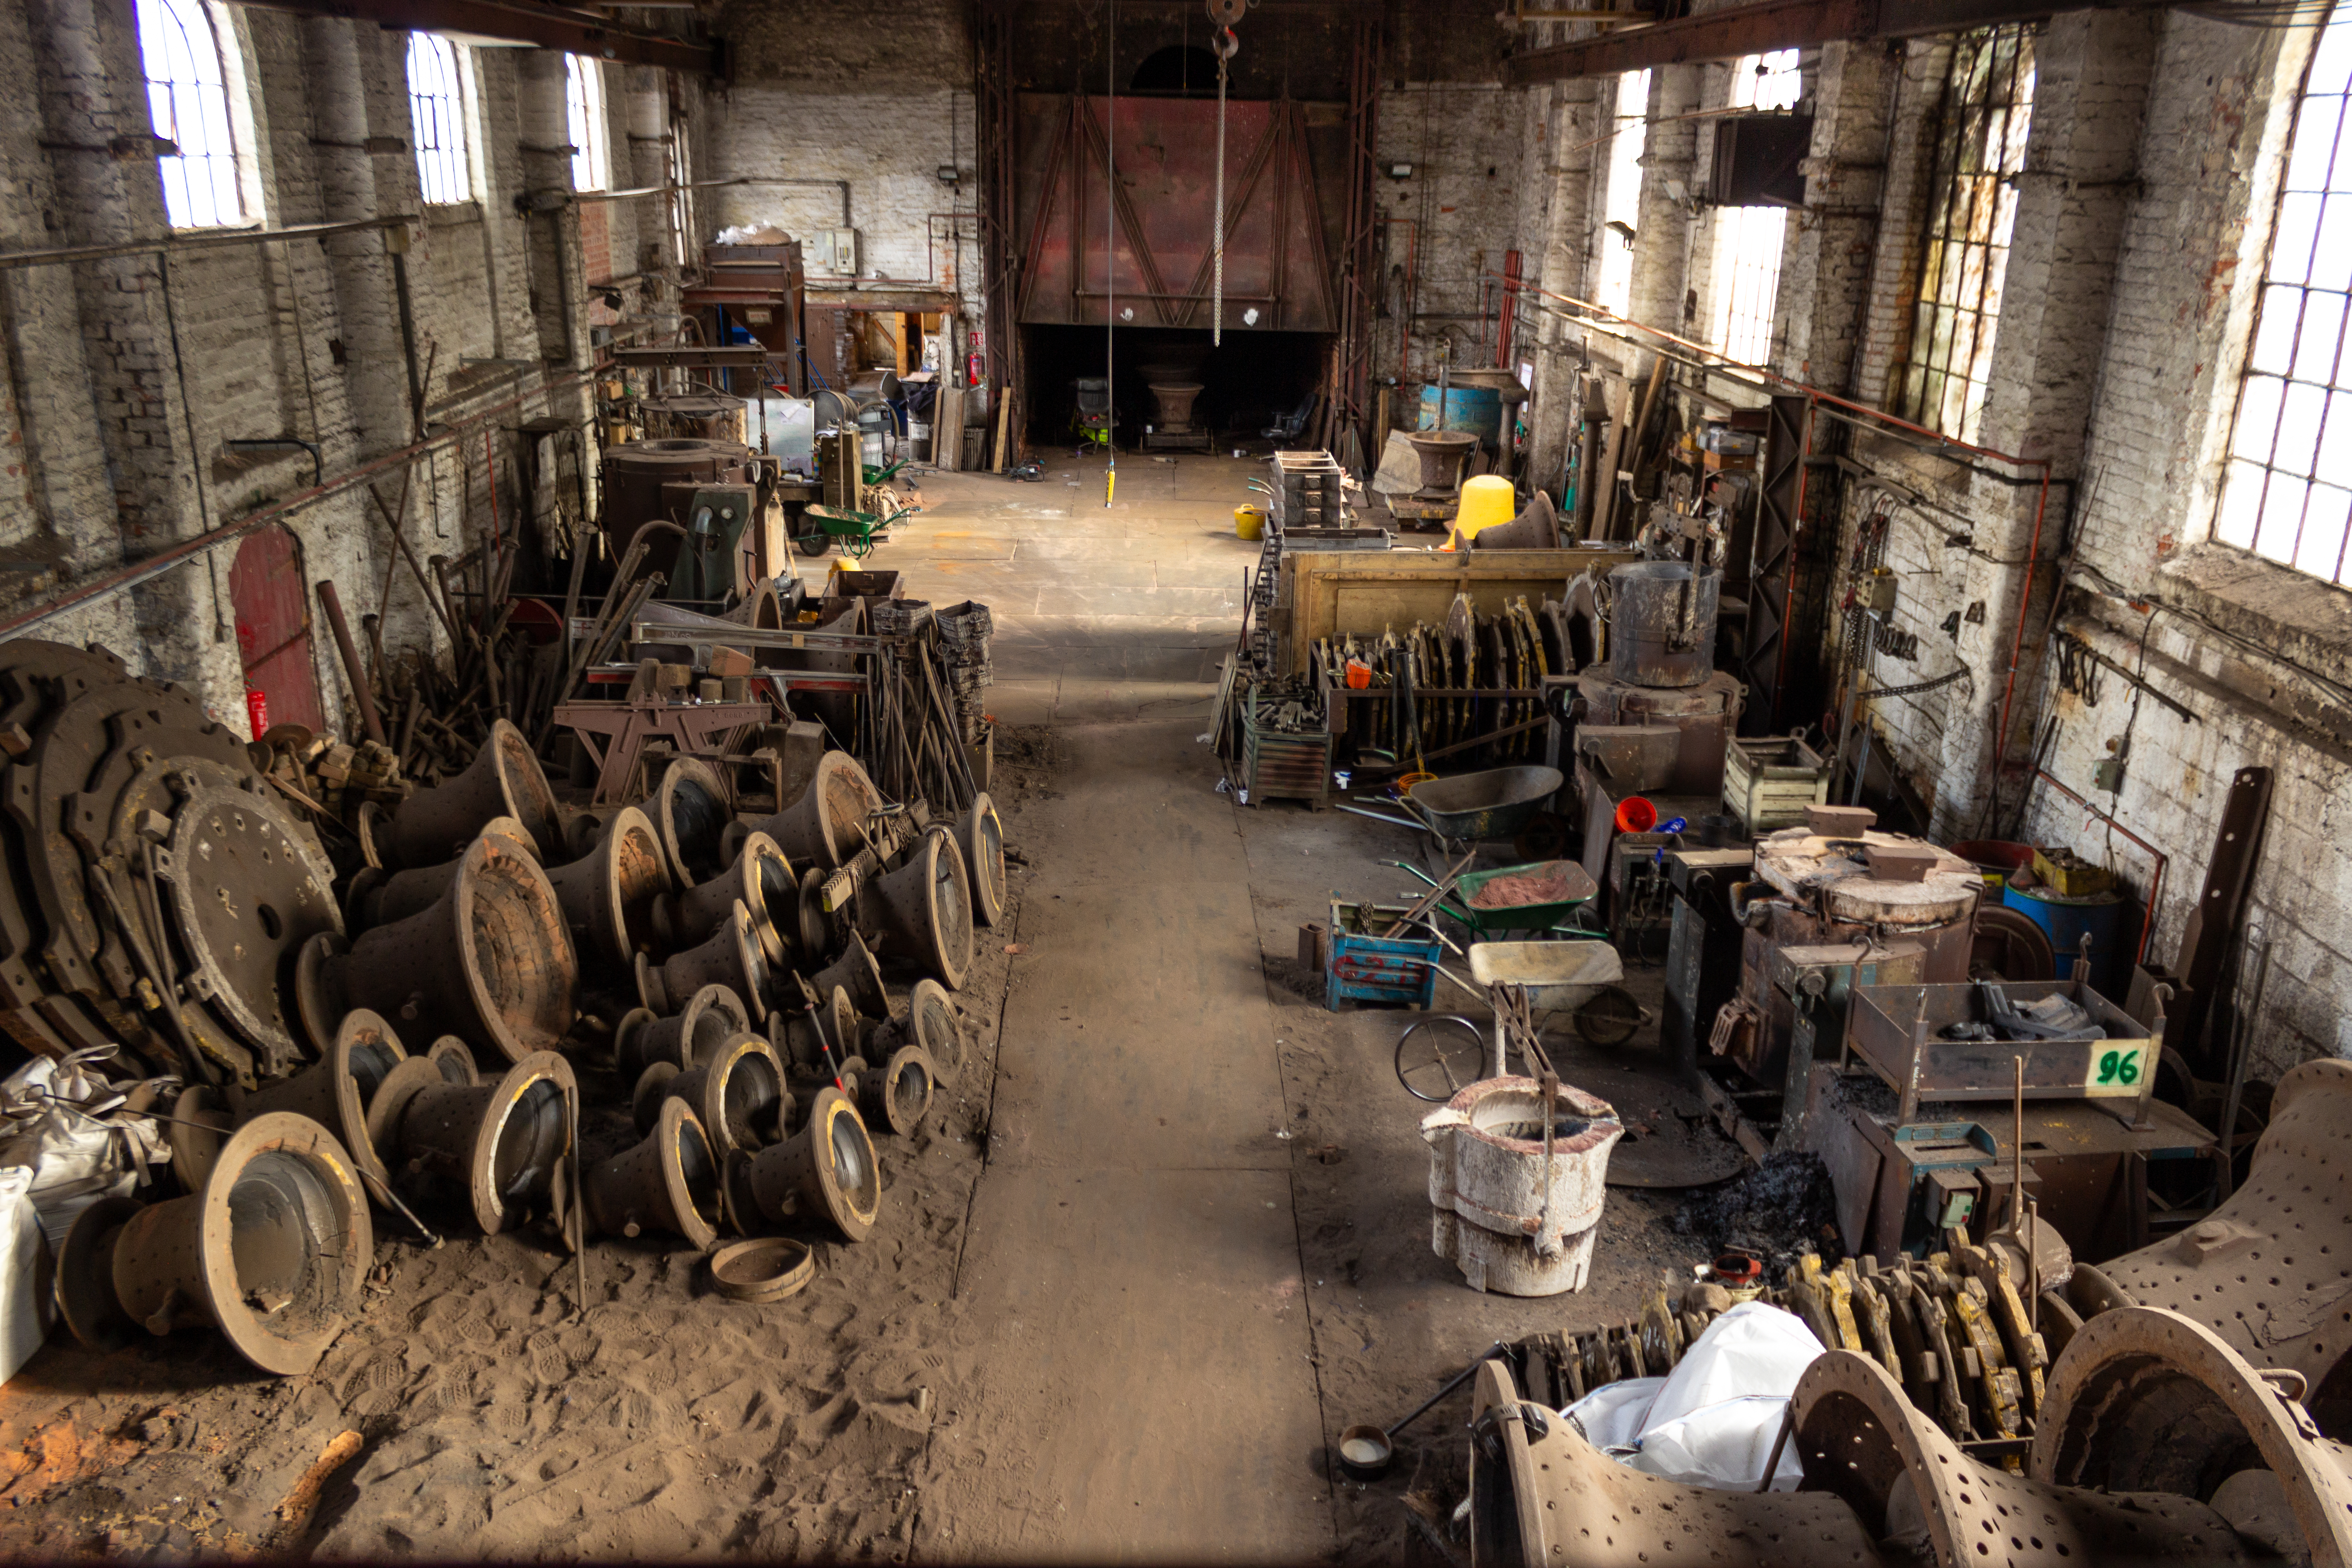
{"x":697,"y":1172}
{"x":516,"y":950}
{"x":533,"y":803}
{"x":853,"y":1162}
{"x":286,"y":1235}
{"x":530,"y":1142}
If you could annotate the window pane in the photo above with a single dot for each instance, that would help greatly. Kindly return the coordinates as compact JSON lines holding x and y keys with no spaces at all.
{"x":2241,"y":500}
{"x":2282,"y":518}
{"x":2298,"y":427}
{"x":2331,"y":259}
{"x":187,"y":105}
{"x":2273,"y":346}
{"x":2315,"y":344}
{"x":2322,"y":541}
{"x":2258,"y":412}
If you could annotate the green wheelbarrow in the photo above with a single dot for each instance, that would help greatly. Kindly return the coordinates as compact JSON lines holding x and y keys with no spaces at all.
{"x":857,"y":532}
{"x":1568,"y":886}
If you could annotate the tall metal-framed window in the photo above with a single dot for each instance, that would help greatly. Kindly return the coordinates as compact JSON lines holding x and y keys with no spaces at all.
{"x":584,"y":99}
{"x":2286,"y":494}
{"x":1747,"y":240}
{"x":1621,"y":199}
{"x":182,"y":46}
{"x":1988,"y":111}
{"x":436,"y":114}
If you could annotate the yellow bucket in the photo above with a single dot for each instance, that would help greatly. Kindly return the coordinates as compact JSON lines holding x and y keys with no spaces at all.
{"x":1249,"y":522}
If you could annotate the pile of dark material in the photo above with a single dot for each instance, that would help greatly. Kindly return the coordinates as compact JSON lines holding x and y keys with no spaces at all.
{"x":1785,"y":1207}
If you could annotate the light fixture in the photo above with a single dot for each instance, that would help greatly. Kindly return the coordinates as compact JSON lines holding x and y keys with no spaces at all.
{"x":1400,"y":171}
{"x":948,"y":175}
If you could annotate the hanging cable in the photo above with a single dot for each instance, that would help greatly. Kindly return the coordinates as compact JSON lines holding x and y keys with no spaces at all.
{"x":1227,"y":46}
{"x":1110,"y":256}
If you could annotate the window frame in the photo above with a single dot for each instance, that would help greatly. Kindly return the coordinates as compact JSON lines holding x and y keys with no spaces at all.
{"x":1621,"y":192}
{"x":586,"y":113}
{"x":1745,"y":283}
{"x":1957,"y":303}
{"x":2242,"y":520}
{"x":222,"y":200}
{"x":451,"y":159}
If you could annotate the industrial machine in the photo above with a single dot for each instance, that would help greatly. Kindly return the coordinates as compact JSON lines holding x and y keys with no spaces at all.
{"x":1702,"y":945}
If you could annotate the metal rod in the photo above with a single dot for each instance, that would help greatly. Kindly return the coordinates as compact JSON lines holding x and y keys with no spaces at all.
{"x":332,"y":603}
{"x":182,"y":242}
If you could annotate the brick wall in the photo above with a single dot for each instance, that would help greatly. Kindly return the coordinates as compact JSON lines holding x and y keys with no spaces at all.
{"x":126,"y":377}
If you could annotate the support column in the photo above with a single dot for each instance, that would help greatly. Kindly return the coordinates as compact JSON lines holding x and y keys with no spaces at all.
{"x":1662,"y":243}
{"x":1575,"y":122}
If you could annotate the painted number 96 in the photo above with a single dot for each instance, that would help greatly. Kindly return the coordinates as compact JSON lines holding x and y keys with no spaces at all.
{"x":2118,"y":1067}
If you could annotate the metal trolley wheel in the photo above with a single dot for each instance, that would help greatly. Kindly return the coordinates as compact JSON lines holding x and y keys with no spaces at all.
{"x":1610,"y":1016}
{"x":1433,"y":1064}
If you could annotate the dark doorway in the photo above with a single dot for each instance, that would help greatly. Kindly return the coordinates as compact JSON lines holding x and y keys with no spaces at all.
{"x":1246,"y":383}
{"x":1185,"y":69}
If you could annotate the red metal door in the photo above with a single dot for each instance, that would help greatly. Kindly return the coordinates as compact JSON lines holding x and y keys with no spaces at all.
{"x":273,"y":626}
{"x":1278,"y":273}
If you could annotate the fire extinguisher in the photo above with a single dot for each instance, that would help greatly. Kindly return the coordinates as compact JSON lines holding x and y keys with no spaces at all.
{"x":971,"y":367}
{"x":257,"y":710}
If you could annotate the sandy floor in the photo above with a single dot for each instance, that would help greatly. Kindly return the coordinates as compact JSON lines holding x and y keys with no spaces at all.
{"x":1161,"y":1244}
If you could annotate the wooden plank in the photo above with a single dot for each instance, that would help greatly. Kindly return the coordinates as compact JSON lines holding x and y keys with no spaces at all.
{"x":1335,"y":592}
{"x":947,"y":429}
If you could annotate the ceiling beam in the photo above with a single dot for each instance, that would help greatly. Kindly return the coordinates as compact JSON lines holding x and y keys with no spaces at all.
{"x":1754,"y":29}
{"x":547,"y":26}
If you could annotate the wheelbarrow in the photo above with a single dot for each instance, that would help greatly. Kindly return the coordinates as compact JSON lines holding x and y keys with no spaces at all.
{"x":857,"y":532}
{"x":1463,"y":809}
{"x":1486,"y":921}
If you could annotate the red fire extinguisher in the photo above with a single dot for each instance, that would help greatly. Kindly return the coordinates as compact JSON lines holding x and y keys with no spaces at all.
{"x":972,"y":370}
{"x":257,"y":710}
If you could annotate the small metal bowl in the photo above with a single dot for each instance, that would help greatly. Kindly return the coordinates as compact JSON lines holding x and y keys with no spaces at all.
{"x":1364,"y":1452}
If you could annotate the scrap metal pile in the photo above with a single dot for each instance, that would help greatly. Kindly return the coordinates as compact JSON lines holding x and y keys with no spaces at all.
{"x":413,"y":1040}
{"x":2192,"y":1404}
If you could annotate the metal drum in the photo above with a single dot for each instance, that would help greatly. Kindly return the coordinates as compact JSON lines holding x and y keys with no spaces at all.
{"x":1662,"y":623}
{"x":694,"y":417}
{"x":633,"y":480}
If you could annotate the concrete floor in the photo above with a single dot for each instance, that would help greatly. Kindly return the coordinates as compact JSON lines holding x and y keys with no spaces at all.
{"x":1200,"y":1246}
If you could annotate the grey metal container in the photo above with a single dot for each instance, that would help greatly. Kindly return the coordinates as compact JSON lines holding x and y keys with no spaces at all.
{"x":1662,"y":622}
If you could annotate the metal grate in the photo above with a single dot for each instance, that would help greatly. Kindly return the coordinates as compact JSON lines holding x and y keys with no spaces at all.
{"x":436,"y":116}
{"x":1747,"y":240}
{"x":1988,"y":110}
{"x":583,"y":103}
{"x":187,"y":105}
{"x":2286,"y":494}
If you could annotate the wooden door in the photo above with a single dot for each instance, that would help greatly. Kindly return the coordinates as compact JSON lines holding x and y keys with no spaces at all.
{"x":273,"y":626}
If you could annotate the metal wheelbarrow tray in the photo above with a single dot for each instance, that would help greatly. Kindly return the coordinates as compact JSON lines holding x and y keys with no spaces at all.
{"x":1554,"y":974}
{"x":1508,"y":917}
{"x":1494,"y":804}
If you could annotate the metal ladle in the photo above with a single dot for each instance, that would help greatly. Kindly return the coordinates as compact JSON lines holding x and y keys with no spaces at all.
{"x":1365,"y":1452}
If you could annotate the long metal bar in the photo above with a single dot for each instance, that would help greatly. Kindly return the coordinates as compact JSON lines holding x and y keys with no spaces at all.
{"x":549,"y":27}
{"x":186,"y":241}
{"x":1729,"y":32}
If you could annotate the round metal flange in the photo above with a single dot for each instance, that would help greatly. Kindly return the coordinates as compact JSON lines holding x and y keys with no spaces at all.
{"x":455,"y":1060}
{"x":198,"y":1107}
{"x":981,"y":836}
{"x":646,"y":1099}
{"x":2008,"y":946}
{"x":691,"y":810}
{"x":410,"y":1077}
{"x":766,"y":1268}
{"x":2146,"y":1400}
{"x":934,"y":1024}
{"x":85,"y":1287}
{"x":319,"y":1001}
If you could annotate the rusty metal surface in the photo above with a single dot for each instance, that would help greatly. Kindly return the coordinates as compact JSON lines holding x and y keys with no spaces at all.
{"x":2270,"y":1270}
{"x":1910,"y":1486}
{"x":1275,"y":219}
{"x":2148,"y":1400}
{"x":1554,"y":1499}
{"x":1662,"y":622}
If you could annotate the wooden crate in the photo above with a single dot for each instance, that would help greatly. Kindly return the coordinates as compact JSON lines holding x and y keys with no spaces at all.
{"x":1767,"y":782}
{"x":1279,"y":765}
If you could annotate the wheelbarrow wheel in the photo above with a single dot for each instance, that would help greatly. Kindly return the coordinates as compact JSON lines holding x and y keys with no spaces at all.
{"x":1545,"y":837}
{"x":814,"y":543}
{"x":1438,"y":1066}
{"x":1610,"y":1016}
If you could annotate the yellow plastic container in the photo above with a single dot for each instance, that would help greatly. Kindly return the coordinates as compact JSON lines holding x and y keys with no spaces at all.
{"x":1487,"y":501}
{"x":1249,"y":522}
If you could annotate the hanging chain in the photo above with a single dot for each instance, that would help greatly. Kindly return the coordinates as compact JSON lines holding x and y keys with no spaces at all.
{"x":1227,"y":46}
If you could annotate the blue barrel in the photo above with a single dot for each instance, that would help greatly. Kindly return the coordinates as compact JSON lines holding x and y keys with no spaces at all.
{"x":1477,"y":409}
{"x":2066,"y":919}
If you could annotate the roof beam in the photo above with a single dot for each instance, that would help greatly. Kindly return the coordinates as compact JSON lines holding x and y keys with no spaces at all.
{"x":1753,"y":29}
{"x":547,"y":26}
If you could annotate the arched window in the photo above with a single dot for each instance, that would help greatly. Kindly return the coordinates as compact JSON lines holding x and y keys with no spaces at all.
{"x":437,"y":112}
{"x":583,"y":97}
{"x":187,"y":101}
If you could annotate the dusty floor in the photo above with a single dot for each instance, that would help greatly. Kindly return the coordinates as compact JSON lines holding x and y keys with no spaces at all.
{"x":1146,"y":1270}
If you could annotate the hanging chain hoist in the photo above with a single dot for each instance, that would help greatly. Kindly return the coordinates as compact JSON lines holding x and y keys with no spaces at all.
{"x":1224,"y":14}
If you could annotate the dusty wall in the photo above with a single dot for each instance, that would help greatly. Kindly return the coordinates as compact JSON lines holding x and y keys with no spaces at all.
{"x":2143,"y":215}
{"x":127,"y":375}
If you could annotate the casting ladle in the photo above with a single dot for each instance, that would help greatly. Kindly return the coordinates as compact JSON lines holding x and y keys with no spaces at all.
{"x":1365,"y":1452}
